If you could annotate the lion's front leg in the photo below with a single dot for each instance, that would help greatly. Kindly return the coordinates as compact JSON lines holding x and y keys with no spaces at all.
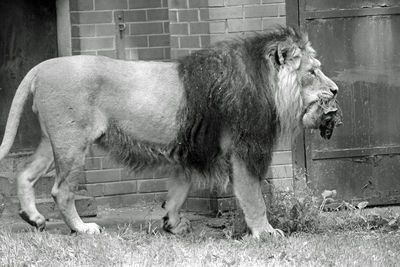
{"x":178,"y":190}
{"x":247,"y":189}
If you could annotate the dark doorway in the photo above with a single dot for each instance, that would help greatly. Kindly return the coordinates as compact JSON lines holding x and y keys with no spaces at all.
{"x":28,"y":36}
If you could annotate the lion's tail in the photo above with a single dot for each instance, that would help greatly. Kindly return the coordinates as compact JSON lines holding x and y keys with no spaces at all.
{"x":16,"y":109}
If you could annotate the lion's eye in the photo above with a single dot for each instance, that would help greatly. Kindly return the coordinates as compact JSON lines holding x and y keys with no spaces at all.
{"x":312,"y":71}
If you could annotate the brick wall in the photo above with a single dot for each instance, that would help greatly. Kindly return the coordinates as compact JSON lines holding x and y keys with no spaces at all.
{"x":115,"y":186}
{"x":145,"y":35}
{"x":197,"y":23}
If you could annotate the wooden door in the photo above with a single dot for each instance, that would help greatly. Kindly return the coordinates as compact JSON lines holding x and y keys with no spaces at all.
{"x":358,"y":45}
{"x":28,"y":36}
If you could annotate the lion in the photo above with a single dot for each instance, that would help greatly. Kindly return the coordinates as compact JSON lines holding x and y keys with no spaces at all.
{"x":213,"y":115}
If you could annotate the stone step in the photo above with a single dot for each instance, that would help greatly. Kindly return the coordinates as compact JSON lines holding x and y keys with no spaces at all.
{"x":86,"y":207}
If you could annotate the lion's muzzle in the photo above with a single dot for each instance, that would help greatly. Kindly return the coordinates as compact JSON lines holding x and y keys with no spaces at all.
{"x":331,"y":117}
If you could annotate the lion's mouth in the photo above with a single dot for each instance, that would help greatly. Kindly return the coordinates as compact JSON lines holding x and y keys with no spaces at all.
{"x":331,"y":118}
{"x":324,"y":115}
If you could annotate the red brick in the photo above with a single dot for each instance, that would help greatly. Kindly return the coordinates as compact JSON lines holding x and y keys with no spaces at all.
{"x":174,"y":42}
{"x":179,"y":28}
{"x":80,"y":5}
{"x":166,"y":27}
{"x":96,"y":43}
{"x":241,"y":2}
{"x":272,"y":1}
{"x":177,"y":53}
{"x":136,"y":41}
{"x":164,"y":3}
{"x":133,"y":4}
{"x":188,"y":15}
{"x":157,"y":14}
{"x":93,"y":163}
{"x":134,"y":15}
{"x":215,"y":2}
{"x":282,"y":10}
{"x":105,"y":30}
{"x":91,"y":17}
{"x":93,"y":53}
{"x":261,"y":11}
{"x":83,"y":31}
{"x":107,"y":53}
{"x":198,"y":3}
{"x":110,"y":5}
{"x":158,"y":40}
{"x":110,"y":163}
{"x":167,"y":53}
{"x":126,"y":200}
{"x":154,"y":185}
{"x":201,"y":192}
{"x":217,"y":27}
{"x":174,"y":4}
{"x":173,"y":16}
{"x":100,"y":176}
{"x":151,"y":53}
{"x":199,"y":28}
{"x":236,"y":25}
{"x":146,"y":28}
{"x":131,"y":54}
{"x":95,"y":190}
{"x":205,"y":41}
{"x":198,"y":204}
{"x":117,"y":188}
{"x":218,"y":37}
{"x":204,"y":14}
{"x":190,"y":42}
{"x":225,"y":12}
{"x":266,"y":24}
{"x":145,"y":174}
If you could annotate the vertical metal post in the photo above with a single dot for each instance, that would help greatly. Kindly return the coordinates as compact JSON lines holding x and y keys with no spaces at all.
{"x":120,"y":30}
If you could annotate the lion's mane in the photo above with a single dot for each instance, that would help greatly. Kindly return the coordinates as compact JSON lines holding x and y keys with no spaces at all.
{"x":232,"y":87}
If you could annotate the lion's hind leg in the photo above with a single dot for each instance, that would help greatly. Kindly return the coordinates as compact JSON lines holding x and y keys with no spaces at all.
{"x":178,"y":190}
{"x":247,"y":189}
{"x":40,"y":163}
{"x":69,"y":162}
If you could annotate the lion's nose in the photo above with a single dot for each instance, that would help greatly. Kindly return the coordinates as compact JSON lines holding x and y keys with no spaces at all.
{"x":334,"y":90}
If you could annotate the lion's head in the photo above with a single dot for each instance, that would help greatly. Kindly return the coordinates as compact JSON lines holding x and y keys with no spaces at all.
{"x":304,"y":95}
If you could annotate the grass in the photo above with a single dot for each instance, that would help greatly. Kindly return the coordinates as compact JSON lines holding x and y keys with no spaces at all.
{"x":340,"y":241}
{"x":352,"y":237}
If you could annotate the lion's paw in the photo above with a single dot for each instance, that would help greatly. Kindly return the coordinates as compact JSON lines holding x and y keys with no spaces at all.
{"x":37,"y":220}
{"x":268,"y":233}
{"x":88,"y":228}
{"x":183,"y":227}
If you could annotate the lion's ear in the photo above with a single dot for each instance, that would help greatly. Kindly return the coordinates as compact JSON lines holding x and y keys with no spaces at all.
{"x":281,"y":53}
